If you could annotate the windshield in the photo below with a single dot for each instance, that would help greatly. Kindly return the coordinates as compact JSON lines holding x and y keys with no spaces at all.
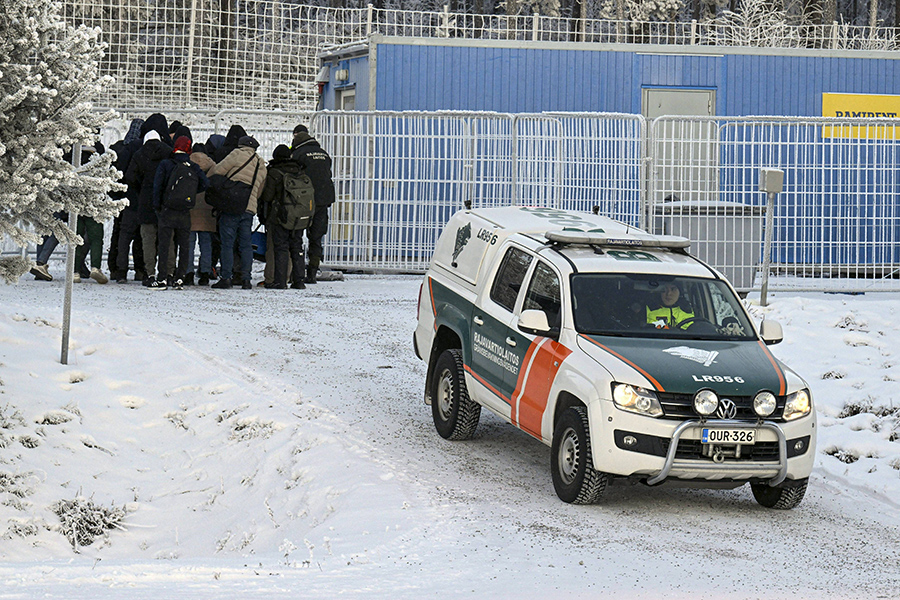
{"x":634,"y":305}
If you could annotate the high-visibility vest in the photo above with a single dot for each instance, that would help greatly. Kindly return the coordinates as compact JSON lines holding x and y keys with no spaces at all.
{"x":671,"y":315}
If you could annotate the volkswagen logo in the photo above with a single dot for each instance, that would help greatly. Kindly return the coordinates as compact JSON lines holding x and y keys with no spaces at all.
{"x":727,"y":409}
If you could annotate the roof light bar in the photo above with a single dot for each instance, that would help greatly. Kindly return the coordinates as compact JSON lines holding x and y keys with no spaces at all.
{"x":671,"y":242}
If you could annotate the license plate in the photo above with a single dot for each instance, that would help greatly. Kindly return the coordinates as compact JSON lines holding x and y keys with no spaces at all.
{"x":744,"y":437}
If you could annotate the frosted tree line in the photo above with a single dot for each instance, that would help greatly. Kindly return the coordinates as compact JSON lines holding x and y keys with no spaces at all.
{"x":48,"y":73}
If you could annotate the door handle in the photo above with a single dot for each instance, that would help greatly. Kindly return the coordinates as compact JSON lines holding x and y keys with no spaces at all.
{"x":478,"y":321}
{"x":510,"y":342}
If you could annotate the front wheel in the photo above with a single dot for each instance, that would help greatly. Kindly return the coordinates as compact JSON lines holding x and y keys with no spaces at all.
{"x":455,"y":414}
{"x":574,"y":477}
{"x":784,"y":496}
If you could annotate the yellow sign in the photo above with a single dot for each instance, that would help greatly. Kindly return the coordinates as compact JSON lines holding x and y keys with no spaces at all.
{"x":862,"y":106}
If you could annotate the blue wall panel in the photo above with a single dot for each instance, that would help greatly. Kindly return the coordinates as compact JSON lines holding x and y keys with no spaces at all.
{"x":508,"y":79}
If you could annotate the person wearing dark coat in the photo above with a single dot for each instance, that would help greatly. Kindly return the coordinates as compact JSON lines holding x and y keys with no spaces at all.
{"x":177,"y":129}
{"x":125,"y":149}
{"x":173,"y":223}
{"x":235,"y":133}
{"x":141,"y":173}
{"x":157,"y":122}
{"x":288,"y":243}
{"x":307,"y":151}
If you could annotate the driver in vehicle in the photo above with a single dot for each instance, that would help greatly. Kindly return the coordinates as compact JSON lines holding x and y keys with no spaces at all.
{"x":668,"y":313}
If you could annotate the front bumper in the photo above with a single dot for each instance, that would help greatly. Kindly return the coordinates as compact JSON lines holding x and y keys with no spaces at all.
{"x":722,"y":470}
{"x":672,"y":450}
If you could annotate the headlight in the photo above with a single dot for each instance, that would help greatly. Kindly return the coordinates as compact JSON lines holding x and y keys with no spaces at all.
{"x":798,"y":405}
{"x":636,"y":399}
{"x":764,"y":404}
{"x":706,"y":402}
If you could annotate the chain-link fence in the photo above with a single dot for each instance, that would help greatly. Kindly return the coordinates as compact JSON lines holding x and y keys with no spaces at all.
{"x":263,"y":54}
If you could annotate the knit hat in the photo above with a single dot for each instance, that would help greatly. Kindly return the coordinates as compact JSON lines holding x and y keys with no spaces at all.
{"x":151,"y":135}
{"x":248,"y":141}
{"x":198,"y":147}
{"x":174,"y":126}
{"x":301,"y":129}
{"x":281,"y":152}
{"x":183,"y":144}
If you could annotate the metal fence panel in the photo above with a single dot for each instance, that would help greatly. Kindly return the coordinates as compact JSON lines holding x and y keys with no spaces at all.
{"x":836,"y":224}
{"x":399,"y":176}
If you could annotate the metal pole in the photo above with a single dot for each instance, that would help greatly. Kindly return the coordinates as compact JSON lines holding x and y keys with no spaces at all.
{"x":190,"y":57}
{"x":767,"y":247}
{"x":70,"y":269}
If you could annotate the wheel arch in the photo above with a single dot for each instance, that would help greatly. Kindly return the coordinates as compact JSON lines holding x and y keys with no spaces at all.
{"x":565,"y":400}
{"x":445,"y":338}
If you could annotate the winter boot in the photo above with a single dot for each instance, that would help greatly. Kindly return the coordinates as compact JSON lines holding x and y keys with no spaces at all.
{"x":222,"y":284}
{"x":204,"y":279}
{"x":311,"y":274}
{"x":189,"y":278}
{"x":41,"y":273}
{"x":98,"y":275}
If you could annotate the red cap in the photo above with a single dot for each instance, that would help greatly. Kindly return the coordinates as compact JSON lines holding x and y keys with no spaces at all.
{"x":182,"y":144}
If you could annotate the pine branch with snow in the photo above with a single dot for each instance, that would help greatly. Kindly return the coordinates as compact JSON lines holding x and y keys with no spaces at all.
{"x":48,"y":71}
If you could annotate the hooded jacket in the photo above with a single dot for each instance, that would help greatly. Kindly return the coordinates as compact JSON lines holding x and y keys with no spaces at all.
{"x":307,"y":151}
{"x":235,"y":133}
{"x":125,"y":149}
{"x":157,"y":122}
{"x":230,"y":164}
{"x":141,"y":173}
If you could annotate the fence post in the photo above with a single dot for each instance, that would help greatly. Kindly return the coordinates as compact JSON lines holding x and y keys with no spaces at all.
{"x":693,"y":32}
{"x":535,"y":21}
{"x":771,"y":181}
{"x":834,"y":35}
{"x":369,"y":9}
{"x":70,"y":269}
{"x":190,"y":57}
{"x":514,"y":156}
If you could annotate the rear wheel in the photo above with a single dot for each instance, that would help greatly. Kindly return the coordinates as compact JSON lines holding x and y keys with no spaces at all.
{"x":455,"y":414}
{"x":574,"y":477}
{"x":783,"y":496}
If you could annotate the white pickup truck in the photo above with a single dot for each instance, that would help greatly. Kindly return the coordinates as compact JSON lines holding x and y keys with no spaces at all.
{"x":630,"y":358}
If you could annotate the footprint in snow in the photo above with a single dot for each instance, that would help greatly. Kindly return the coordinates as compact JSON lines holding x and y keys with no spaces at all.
{"x":132,"y":401}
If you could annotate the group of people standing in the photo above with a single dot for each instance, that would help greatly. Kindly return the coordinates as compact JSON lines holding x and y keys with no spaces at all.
{"x":168,"y":176}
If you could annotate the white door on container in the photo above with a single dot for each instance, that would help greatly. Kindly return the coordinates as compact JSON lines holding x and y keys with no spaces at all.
{"x":685,"y":151}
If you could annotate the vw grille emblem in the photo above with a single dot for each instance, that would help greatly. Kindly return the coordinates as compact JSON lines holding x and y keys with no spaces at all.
{"x":727,"y":409}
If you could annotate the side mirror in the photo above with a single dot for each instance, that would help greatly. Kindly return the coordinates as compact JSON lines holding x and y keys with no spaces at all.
{"x":771,"y":332}
{"x":535,"y":323}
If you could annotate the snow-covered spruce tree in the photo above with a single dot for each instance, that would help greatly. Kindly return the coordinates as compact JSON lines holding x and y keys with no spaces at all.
{"x":48,"y":72}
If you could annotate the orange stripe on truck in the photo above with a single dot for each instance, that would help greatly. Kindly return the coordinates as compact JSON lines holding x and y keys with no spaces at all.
{"x":656,"y":384}
{"x":781,"y":380}
{"x":543,"y":361}
{"x":485,"y":384}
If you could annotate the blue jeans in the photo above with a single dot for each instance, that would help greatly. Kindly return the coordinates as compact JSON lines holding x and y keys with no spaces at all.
{"x":45,"y":249}
{"x":205,"y":239}
{"x":231,"y":228}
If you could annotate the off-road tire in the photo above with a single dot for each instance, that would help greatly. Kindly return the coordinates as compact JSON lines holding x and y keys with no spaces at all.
{"x":455,"y":414}
{"x":574,"y":477}
{"x":784,"y":496}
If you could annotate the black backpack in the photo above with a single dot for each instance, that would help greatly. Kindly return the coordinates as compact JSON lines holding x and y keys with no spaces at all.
{"x":298,"y":201}
{"x":181,"y":188}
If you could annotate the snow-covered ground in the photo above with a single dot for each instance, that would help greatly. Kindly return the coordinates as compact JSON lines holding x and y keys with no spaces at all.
{"x":274,"y":444}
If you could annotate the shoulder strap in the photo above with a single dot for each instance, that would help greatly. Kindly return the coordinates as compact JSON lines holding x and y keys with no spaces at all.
{"x":239,"y":169}
{"x":255,"y":171}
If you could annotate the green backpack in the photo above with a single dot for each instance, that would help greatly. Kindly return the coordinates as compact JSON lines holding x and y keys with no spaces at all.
{"x":298,"y":202}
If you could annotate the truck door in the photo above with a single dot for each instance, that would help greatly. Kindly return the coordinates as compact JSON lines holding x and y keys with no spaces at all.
{"x":495,"y":360}
{"x":541,"y":357}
